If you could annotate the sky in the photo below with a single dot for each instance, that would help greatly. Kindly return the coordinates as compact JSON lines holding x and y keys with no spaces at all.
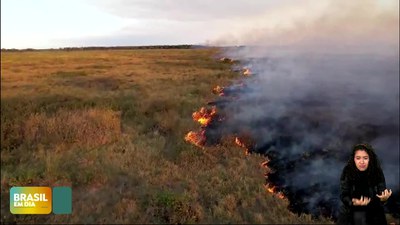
{"x":79,"y":23}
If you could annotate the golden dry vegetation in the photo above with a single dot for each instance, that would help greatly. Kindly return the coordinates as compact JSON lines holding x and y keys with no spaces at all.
{"x":111,"y":124}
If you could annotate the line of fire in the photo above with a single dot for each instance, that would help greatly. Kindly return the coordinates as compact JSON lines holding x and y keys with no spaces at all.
{"x":209,"y":117}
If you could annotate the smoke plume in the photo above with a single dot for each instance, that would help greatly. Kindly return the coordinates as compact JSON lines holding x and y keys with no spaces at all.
{"x":321,"y":84}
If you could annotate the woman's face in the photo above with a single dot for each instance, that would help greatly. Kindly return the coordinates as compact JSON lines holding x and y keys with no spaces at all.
{"x":361,"y":159}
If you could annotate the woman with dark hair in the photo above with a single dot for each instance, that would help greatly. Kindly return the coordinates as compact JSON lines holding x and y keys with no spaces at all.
{"x":363,"y":189}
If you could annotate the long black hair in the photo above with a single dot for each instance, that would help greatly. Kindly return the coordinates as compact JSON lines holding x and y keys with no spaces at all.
{"x":374,"y":170}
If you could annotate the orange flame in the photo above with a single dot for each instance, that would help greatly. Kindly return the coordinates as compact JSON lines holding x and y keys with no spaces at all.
{"x":196,"y":138}
{"x":204,"y":116}
{"x":273,"y":191}
{"x":238,"y":142}
{"x":218,"y":90}
{"x":241,"y":144}
{"x":270,"y":189}
{"x":247,"y":71}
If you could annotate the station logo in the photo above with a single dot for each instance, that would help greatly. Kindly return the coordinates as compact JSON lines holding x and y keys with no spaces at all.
{"x":41,"y":200}
{"x":30,"y":200}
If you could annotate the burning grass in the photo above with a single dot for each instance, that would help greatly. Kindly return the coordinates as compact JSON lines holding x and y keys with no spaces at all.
{"x":207,"y":117}
{"x":204,"y":115}
{"x":196,"y":138}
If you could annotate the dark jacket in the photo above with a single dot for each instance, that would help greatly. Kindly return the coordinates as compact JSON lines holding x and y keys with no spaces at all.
{"x":374,"y":210}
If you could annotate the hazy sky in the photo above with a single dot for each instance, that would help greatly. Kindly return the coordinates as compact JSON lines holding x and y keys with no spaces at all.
{"x":63,"y":23}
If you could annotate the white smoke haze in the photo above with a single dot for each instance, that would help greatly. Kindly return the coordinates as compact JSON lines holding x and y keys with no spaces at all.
{"x":321,"y":84}
{"x":195,"y":10}
{"x":325,"y":26}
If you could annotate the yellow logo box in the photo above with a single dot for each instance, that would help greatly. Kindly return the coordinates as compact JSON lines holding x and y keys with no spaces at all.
{"x":30,"y":200}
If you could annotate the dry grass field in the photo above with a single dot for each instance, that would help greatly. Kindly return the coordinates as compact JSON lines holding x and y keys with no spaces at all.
{"x":111,"y":125}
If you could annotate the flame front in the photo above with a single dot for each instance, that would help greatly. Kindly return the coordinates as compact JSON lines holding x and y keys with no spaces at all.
{"x":273,"y":191}
{"x":196,"y":138}
{"x":204,"y":116}
{"x":238,"y":142}
{"x":241,"y":144}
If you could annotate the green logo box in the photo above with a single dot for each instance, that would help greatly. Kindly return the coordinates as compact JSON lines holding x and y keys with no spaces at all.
{"x":62,"y":200}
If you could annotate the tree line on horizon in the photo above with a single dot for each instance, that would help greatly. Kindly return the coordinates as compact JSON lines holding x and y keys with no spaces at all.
{"x":186,"y":46}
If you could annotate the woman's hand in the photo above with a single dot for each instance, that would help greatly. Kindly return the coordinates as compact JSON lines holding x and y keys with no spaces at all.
{"x":362,"y":201}
{"x":385,"y":195}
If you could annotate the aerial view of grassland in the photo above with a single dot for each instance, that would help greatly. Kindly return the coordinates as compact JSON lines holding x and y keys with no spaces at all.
{"x":111,"y":125}
{"x":200,"y":112}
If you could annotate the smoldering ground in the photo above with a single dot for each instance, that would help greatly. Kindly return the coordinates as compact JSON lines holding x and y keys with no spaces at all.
{"x":329,"y":83}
